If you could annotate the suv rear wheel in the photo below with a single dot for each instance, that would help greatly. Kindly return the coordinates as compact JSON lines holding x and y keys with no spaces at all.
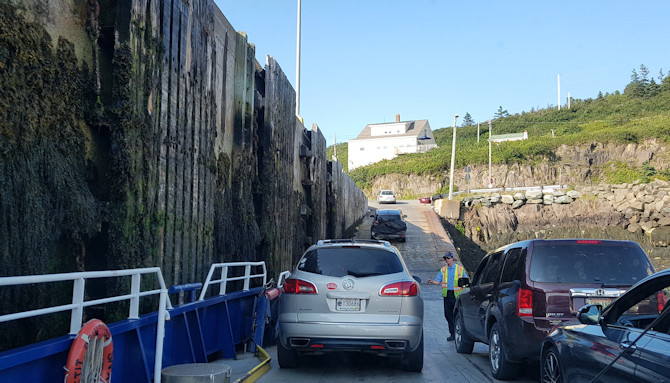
{"x":464,"y":344}
{"x":500,"y":367}
{"x":413,"y":361}
{"x":287,"y":358}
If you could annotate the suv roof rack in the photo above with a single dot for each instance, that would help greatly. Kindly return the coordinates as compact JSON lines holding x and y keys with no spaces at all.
{"x":354,"y":240}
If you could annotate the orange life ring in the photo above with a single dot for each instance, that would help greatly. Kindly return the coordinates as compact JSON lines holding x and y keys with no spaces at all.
{"x":94,"y":334}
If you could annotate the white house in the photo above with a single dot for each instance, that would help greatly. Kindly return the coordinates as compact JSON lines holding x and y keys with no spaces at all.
{"x":388,"y":140}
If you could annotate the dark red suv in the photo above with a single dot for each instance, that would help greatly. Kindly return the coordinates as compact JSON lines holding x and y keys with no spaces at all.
{"x":520,"y":291}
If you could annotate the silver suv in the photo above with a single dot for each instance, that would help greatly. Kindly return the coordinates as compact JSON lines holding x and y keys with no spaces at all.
{"x":351,"y":295}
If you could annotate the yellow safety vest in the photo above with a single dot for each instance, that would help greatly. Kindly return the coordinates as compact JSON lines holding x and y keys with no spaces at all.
{"x":457,"y":274}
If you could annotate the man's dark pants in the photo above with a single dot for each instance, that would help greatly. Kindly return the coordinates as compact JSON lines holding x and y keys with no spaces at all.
{"x":449,"y":303}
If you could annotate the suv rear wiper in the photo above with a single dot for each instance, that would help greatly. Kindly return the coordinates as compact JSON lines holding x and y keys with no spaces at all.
{"x":604,"y":285}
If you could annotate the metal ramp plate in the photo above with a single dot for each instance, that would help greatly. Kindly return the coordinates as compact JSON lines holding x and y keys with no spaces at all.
{"x":196,"y":373}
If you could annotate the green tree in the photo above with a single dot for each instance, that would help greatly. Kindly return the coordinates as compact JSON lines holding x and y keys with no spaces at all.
{"x":665,"y":85}
{"x":644,"y":71}
{"x":501,"y":113}
{"x":635,"y":88}
{"x":652,"y":89}
{"x":467,"y":120}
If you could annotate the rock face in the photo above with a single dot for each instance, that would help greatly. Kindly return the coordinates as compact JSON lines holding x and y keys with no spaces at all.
{"x":481,"y":225}
{"x":576,"y":165}
{"x":638,"y":212}
{"x":644,"y":206}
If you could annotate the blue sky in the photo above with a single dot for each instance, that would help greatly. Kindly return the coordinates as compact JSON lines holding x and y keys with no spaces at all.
{"x":364,"y":61}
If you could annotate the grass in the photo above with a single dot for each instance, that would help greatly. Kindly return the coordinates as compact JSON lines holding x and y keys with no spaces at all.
{"x":616,"y":118}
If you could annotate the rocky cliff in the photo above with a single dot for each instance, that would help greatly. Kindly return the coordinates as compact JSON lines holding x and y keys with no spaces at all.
{"x":638,"y":212}
{"x":576,"y":166}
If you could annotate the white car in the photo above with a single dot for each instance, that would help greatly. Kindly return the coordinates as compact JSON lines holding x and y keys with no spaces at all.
{"x":386,"y":196}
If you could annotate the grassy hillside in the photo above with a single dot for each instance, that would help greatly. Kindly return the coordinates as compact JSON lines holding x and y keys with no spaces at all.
{"x":616,"y":118}
{"x":342,"y":154}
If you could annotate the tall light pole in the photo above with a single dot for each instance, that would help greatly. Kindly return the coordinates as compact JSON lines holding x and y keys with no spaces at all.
{"x":297,"y":70}
{"x":453,"y":155}
{"x":559,"y":91}
{"x":490,"y":175}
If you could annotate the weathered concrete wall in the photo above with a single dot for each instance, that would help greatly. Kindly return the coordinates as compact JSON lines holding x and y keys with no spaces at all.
{"x":154,"y":138}
{"x":346,"y":200}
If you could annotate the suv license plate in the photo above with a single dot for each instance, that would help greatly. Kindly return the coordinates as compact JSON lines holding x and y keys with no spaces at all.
{"x":348,"y":304}
{"x":604,"y":302}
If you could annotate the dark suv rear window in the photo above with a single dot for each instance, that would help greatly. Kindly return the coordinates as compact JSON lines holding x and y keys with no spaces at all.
{"x":388,"y":217}
{"x":572,"y":262}
{"x":355,"y":261}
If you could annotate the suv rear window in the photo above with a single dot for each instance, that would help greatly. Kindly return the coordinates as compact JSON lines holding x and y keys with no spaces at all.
{"x":350,"y":260}
{"x":571,"y":262}
{"x":387,"y":192}
{"x":388,"y":217}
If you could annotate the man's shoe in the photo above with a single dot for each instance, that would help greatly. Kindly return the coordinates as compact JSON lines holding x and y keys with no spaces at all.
{"x":451,"y":337}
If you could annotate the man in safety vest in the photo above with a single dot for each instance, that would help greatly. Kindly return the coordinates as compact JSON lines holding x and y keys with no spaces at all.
{"x":448,"y":278}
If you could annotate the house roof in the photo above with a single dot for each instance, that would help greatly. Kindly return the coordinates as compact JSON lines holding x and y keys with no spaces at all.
{"x":412,"y":129}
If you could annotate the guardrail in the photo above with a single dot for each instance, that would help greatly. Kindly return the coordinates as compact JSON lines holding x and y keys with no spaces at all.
{"x":223,"y":281}
{"x":79,"y":301}
{"x":37,"y":362}
{"x":283,"y":276}
{"x":544,"y":188}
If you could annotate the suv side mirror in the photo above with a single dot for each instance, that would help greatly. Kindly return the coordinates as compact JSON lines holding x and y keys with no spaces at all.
{"x":463,"y":282}
{"x":589,"y":314}
{"x":416,"y":278}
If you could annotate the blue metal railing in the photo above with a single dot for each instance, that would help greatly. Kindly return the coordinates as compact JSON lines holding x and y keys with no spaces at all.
{"x":193,"y":332}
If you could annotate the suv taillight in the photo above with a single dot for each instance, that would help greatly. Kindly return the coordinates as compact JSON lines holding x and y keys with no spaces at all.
{"x":298,"y":286}
{"x":400,"y":289}
{"x":524,"y":303}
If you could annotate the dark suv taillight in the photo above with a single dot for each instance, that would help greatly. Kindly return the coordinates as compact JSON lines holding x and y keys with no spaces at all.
{"x":524,"y":303}
{"x":402,"y":289}
{"x":298,"y":286}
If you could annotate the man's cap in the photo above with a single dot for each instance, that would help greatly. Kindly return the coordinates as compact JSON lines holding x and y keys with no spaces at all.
{"x":448,"y":255}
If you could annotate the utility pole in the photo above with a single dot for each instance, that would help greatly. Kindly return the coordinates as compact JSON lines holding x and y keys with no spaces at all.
{"x":559,"y":91}
{"x":490,"y":175}
{"x":297,"y":70}
{"x":568,"y":100}
{"x":478,"y":132}
{"x":453,"y":155}
{"x":335,"y":144}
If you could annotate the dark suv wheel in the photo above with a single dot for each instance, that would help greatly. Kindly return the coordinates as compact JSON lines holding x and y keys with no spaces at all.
{"x":550,"y":367}
{"x":500,"y":367}
{"x":464,"y":344}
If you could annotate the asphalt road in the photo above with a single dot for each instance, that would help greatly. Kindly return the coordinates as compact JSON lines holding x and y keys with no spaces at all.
{"x":426,"y":242}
